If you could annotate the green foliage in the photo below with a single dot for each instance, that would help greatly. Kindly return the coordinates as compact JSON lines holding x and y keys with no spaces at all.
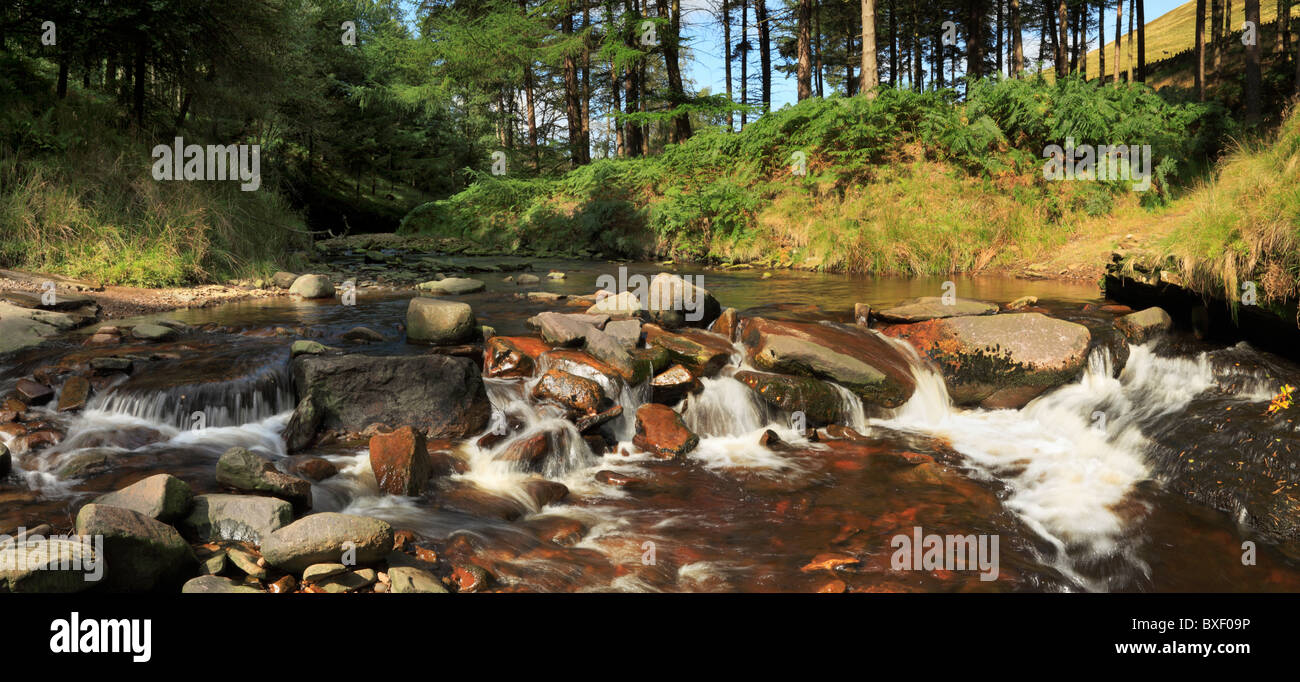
{"x":709,"y":197}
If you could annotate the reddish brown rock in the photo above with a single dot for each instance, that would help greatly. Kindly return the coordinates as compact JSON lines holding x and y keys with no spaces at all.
{"x":76,"y":390}
{"x":469,"y":578}
{"x":512,"y":356}
{"x":400,"y":461}
{"x":314,"y":468}
{"x":849,"y":355}
{"x":704,"y":353}
{"x":579,"y":394}
{"x":528,"y":450}
{"x":577,"y":362}
{"x":545,"y":492}
{"x":725,"y":325}
{"x":661,"y":431}
{"x":33,"y":393}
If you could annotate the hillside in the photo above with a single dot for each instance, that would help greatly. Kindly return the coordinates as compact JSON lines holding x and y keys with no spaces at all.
{"x":1174,"y":33}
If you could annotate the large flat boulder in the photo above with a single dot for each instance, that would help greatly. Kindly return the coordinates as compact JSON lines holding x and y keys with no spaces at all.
{"x":934,"y":308}
{"x":452,"y":286}
{"x":328,"y":537}
{"x":853,"y":357}
{"x":23,"y":327}
{"x":1000,"y":361}
{"x":441,"y":395}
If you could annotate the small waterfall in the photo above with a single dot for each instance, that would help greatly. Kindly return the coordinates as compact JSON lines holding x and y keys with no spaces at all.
{"x":176,"y":399}
{"x":726,"y":407}
{"x":1072,"y":455}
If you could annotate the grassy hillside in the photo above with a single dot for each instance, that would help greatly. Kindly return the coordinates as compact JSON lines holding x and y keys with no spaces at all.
{"x":1174,"y":32}
{"x":1244,"y":223}
{"x":908,"y":183}
{"x":77,"y":198}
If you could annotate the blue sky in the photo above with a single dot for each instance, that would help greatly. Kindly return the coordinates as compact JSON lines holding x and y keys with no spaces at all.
{"x":706,"y":67}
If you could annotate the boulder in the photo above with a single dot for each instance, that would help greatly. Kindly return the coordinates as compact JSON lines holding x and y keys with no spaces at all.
{"x":22,"y":327}
{"x":675,"y":302}
{"x":161,"y":496}
{"x":579,"y":394}
{"x":140,"y":553}
{"x":530,"y":450}
{"x":247,"y":471}
{"x":1000,"y":361}
{"x":243,"y":518}
{"x":849,"y":355}
{"x":702,"y":352}
{"x":283,"y":280}
{"x":625,"y":304}
{"x":580,"y":363}
{"x":609,"y":350}
{"x":153,"y":332}
{"x":816,"y":399}
{"x":36,"y":563}
{"x":673,"y":384}
{"x":312,"y":286}
{"x":328,"y":537}
{"x":314,"y":468}
{"x":1144,"y":325}
{"x":409,"y":580}
{"x":452,"y":286}
{"x":512,"y":356}
{"x":441,"y":395}
{"x":73,"y":395}
{"x":662,"y":432}
{"x":933,"y":308}
{"x":626,"y":332}
{"x":401,"y":461}
{"x":526,"y":279}
{"x":563,"y":329}
{"x":725,"y":325}
{"x":442,"y":323}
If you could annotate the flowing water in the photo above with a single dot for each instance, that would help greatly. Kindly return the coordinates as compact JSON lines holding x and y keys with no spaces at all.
{"x":1087,"y":488}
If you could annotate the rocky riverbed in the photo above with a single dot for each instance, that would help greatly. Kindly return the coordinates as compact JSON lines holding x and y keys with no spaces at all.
{"x":406,"y":420}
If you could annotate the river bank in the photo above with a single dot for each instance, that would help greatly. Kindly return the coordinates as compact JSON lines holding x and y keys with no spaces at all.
{"x":530,"y":433}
